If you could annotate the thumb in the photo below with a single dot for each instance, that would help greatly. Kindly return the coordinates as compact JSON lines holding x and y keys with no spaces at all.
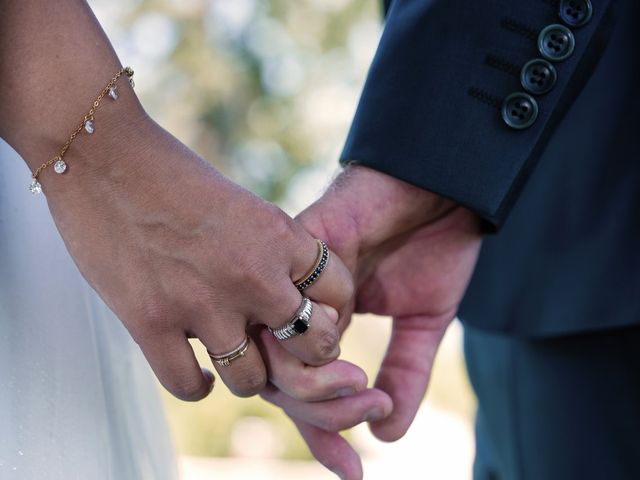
{"x":406,"y":369}
{"x":328,"y":220}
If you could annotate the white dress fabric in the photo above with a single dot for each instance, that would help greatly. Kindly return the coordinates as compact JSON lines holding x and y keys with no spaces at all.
{"x":77,"y":399}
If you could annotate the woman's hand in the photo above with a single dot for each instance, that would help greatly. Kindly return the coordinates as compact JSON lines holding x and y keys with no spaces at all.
{"x":177,"y":250}
{"x":173,"y":248}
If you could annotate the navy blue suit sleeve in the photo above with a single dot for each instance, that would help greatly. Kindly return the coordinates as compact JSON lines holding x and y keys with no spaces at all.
{"x":430,"y":110}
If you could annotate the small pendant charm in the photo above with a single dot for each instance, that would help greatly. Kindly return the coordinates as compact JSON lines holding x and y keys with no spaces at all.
{"x":35,"y":187}
{"x":113,"y":93}
{"x":60,"y":166}
{"x":89,"y":127}
{"x":132,"y":83}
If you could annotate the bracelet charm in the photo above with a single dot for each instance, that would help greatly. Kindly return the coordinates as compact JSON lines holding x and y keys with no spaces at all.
{"x":60,"y":166}
{"x":35,"y":187}
{"x":88,"y":125}
{"x":113,"y":93}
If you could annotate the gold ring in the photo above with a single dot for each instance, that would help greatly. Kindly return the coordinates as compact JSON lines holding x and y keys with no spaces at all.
{"x":225,"y":359}
{"x":319,"y":265}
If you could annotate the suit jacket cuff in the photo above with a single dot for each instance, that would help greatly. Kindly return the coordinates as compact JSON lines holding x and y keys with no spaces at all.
{"x":430,"y":111}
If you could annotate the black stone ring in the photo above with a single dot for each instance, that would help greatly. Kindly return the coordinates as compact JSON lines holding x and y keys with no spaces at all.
{"x":313,"y":275}
{"x":298,"y":324}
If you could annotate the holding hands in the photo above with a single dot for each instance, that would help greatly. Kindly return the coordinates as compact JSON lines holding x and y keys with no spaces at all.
{"x":190,"y":254}
{"x":412,"y":254}
{"x":176,"y":250}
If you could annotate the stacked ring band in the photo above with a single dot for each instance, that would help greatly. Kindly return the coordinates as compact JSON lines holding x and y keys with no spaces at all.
{"x":225,"y":359}
{"x":318,"y":267}
{"x":298,"y":324}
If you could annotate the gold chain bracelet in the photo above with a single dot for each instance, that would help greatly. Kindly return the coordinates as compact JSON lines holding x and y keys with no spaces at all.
{"x":59,"y":165}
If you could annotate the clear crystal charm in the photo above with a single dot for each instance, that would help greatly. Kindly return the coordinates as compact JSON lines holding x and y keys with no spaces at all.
{"x":60,"y":166}
{"x":113,"y":93}
{"x":35,"y":187}
{"x":89,"y":127}
{"x":132,"y":83}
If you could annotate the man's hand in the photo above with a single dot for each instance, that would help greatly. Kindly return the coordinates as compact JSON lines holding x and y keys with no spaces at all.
{"x":412,"y":254}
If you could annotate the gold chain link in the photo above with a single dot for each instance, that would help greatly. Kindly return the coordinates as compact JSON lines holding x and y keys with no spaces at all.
{"x":89,"y":116}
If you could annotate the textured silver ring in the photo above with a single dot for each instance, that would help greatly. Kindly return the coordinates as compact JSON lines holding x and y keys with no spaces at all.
{"x":317,"y":269}
{"x":225,"y":359}
{"x":298,"y":324}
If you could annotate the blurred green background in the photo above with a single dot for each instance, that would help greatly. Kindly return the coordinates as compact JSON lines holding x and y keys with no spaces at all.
{"x":265,"y":91}
{"x":262,"y":89}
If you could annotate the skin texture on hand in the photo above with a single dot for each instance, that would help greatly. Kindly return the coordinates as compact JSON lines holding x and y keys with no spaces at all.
{"x":412,"y":254}
{"x":176,"y":250}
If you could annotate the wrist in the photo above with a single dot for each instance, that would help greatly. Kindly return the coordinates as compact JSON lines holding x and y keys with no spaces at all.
{"x":57,"y":59}
{"x":381,"y":206}
{"x":115,"y":164}
{"x":137,"y":171}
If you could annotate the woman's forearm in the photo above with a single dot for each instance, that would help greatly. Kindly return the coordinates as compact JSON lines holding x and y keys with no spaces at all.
{"x":54,"y":59}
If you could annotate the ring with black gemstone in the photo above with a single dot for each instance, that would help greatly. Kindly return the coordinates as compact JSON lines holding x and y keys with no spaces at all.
{"x":298,"y":324}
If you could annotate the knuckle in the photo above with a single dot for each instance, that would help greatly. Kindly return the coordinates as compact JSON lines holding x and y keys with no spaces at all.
{"x":276,"y":226}
{"x":281,"y":225}
{"x":258,"y":276}
{"x":200,"y":300}
{"x":150,"y":319}
{"x":329,"y":341}
{"x":325,"y":345}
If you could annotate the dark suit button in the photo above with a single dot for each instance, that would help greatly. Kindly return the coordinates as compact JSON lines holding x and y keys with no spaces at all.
{"x":538,"y":76}
{"x":556,"y":42}
{"x":575,"y":13}
{"x":519,"y":110}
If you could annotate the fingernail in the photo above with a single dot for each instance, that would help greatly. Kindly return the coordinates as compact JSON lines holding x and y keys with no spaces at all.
{"x":211,"y":377}
{"x":331,"y":312}
{"x":374,"y":415}
{"x":345,"y":391}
